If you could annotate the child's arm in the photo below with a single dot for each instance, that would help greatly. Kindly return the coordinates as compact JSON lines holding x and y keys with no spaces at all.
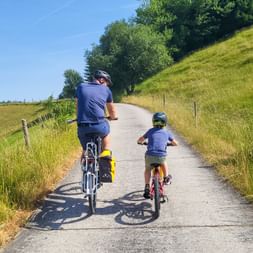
{"x":141,"y":140}
{"x":173,"y":142}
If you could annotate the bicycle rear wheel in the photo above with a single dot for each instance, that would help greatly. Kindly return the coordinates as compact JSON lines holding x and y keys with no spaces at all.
{"x":156,"y":197}
{"x":92,"y":202}
{"x":92,"y":194}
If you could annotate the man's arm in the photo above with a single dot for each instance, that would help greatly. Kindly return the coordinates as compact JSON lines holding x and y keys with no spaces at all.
{"x":111,"y":110}
{"x":76,"y":107}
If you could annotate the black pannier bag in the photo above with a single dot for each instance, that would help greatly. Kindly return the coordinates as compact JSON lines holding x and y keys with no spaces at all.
{"x":106,"y":167}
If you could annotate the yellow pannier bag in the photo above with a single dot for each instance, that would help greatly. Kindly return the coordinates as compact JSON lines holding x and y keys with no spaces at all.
{"x":107,"y":164}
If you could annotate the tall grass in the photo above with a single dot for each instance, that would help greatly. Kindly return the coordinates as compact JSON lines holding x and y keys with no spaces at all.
{"x":220,"y":80}
{"x":28,"y":173}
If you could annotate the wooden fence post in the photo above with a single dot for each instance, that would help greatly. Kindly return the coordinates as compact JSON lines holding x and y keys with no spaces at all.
{"x":195,"y":113}
{"x":26,"y":133}
{"x":164,"y":101}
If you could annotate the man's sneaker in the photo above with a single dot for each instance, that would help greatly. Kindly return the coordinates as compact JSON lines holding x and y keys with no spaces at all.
{"x":146,"y":194}
{"x":167,"y":180}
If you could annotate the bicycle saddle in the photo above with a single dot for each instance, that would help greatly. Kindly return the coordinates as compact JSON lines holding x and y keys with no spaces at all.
{"x":155,"y":165}
{"x":92,"y":135}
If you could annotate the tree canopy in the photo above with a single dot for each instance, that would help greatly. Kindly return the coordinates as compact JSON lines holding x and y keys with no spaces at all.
{"x":130,"y":53}
{"x":72,"y":80}
{"x":190,"y":24}
{"x":163,"y":31}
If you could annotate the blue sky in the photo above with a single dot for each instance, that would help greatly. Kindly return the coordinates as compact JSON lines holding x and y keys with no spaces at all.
{"x":40,"y":39}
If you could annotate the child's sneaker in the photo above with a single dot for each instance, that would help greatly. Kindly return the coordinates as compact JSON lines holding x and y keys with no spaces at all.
{"x":167,"y":180}
{"x":146,"y":194}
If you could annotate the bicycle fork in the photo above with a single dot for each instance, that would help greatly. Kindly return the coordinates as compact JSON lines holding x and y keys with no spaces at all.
{"x":89,"y":183}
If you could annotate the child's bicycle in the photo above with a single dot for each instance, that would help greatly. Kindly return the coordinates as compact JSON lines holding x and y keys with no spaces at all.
{"x":157,"y":186}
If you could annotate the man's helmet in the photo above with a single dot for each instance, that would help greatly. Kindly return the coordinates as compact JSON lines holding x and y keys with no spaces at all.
{"x":102,"y":74}
{"x":159,"y":119}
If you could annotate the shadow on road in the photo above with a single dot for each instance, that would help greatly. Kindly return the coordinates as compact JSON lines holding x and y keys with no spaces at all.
{"x":67,"y":205}
{"x":131,"y":209}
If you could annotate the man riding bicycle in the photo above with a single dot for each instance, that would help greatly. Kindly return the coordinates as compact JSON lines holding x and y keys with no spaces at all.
{"x":92,"y":99}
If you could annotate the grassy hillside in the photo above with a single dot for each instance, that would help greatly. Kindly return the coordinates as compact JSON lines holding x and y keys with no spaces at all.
{"x":28,"y":174}
{"x":220,"y":80}
{"x":11,"y":115}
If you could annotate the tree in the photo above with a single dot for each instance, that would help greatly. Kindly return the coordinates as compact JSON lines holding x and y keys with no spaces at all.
{"x":190,"y":24}
{"x":72,"y":80}
{"x":130,"y":53}
{"x":87,"y":74}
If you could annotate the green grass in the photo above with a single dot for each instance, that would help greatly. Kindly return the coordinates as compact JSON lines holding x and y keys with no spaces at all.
{"x":26,"y":175}
{"x":11,"y":115}
{"x":220,"y":80}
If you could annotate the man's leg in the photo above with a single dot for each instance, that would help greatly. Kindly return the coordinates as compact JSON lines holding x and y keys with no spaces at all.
{"x":82,"y":139}
{"x":106,"y":142}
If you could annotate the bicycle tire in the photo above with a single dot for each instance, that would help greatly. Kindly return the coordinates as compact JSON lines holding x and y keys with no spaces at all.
{"x":156,"y":197}
{"x":92,"y":196}
{"x":92,"y":203}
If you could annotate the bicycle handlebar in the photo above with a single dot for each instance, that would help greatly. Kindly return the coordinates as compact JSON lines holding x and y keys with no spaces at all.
{"x":145,"y":143}
{"x":70,"y":121}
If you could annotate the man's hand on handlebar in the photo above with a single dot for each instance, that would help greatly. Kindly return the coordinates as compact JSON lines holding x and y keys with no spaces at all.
{"x":110,"y":118}
{"x":142,"y":143}
{"x":70,"y":121}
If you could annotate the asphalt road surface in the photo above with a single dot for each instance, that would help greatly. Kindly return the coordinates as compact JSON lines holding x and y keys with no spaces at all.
{"x":203,"y":214}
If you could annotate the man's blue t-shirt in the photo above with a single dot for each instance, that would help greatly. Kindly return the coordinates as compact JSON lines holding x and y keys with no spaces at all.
{"x":157,"y":141}
{"x":92,"y":99}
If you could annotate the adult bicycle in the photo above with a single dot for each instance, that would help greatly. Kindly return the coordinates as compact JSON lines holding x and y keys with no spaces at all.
{"x":90,"y":168}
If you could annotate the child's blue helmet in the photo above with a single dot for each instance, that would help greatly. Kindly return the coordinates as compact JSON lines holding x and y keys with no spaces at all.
{"x":159,"y":119}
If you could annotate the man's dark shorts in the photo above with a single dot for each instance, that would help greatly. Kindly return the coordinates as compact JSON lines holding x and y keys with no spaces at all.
{"x":99,"y":129}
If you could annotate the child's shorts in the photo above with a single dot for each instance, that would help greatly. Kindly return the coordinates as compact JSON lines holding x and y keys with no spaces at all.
{"x":149,"y":159}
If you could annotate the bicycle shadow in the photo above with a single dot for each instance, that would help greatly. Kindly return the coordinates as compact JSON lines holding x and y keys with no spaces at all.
{"x":67,"y":205}
{"x":131,"y":209}
{"x":63,"y":206}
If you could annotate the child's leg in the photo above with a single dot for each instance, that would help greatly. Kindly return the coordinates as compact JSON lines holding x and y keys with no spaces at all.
{"x":165,"y":169}
{"x":166,"y":177}
{"x":147,"y":175}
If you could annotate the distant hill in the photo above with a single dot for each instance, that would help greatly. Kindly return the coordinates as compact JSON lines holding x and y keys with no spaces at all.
{"x":220,"y":80}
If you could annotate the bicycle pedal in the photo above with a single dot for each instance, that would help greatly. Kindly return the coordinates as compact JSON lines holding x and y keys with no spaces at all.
{"x":164,"y":199}
{"x":100,"y":185}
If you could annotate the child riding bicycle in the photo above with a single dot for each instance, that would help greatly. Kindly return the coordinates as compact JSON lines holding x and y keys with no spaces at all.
{"x":158,"y":138}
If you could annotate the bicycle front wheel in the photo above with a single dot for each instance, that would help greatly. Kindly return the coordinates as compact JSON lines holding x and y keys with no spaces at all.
{"x":156,"y":197}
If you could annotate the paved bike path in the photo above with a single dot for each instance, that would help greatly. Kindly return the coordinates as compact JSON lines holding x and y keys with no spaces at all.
{"x":203,"y":213}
